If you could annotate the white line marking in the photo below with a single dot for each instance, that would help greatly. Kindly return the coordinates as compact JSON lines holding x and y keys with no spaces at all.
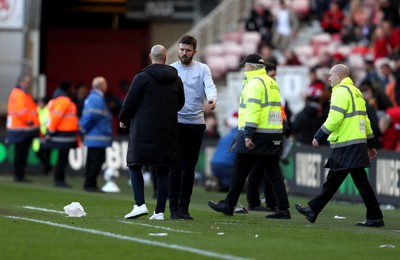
{"x":134,"y":239}
{"x":44,"y":209}
{"x":122,"y":221}
{"x":152,"y":226}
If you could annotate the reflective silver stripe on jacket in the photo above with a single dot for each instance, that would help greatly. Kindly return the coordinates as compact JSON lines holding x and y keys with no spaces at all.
{"x":98,"y":138}
{"x":265,"y":131}
{"x":95,"y":111}
{"x":64,"y":139}
{"x":347,"y":143}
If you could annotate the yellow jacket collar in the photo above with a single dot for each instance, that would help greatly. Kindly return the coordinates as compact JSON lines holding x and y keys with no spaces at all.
{"x":254,"y":73}
{"x":345,"y":81}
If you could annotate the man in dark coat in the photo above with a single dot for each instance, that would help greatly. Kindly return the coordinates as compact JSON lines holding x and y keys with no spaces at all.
{"x":150,"y":108}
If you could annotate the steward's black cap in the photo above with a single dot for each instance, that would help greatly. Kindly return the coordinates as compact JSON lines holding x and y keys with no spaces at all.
{"x":252,"y":58}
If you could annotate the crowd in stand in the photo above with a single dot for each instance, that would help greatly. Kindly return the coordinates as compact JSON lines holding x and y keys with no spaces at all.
{"x":363,"y":34}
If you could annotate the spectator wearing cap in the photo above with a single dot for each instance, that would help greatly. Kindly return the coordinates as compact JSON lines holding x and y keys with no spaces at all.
{"x":259,"y":138}
{"x":62,"y":129}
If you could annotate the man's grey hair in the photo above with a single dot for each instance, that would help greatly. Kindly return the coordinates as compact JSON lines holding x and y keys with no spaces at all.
{"x":256,"y":66}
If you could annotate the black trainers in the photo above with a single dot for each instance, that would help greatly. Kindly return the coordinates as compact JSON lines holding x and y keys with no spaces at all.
{"x":221,"y":207}
{"x":280,"y":214}
{"x":307,"y":212}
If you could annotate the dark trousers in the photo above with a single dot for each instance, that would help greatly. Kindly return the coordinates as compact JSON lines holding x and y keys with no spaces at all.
{"x":243,"y":165}
{"x":62,"y":161}
{"x":44,"y":157}
{"x":137,"y":181}
{"x":257,"y":177}
{"x":96,"y":156}
{"x":21,"y":151}
{"x":332,"y":184}
{"x":181,"y":179}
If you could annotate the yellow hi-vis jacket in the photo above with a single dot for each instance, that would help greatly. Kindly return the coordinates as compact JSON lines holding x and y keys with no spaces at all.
{"x":348,"y":128}
{"x":260,"y":115}
{"x":347,"y":122}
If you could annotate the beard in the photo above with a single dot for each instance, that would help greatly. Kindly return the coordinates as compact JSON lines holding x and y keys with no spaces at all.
{"x":185,"y":60}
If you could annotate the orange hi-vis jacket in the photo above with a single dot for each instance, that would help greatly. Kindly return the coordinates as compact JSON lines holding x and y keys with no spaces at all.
{"x":62,"y":125}
{"x":22,"y":117}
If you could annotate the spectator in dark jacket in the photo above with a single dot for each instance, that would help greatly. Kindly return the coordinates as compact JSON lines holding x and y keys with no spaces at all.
{"x":151,"y":108}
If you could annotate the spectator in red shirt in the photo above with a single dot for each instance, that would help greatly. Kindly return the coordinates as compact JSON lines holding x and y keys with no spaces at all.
{"x":332,"y":19}
{"x":390,"y":128}
{"x":393,"y":36}
{"x":380,"y":44}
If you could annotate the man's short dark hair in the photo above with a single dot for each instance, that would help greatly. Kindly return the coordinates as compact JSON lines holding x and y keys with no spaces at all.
{"x":189,"y":40}
{"x":270,"y":66}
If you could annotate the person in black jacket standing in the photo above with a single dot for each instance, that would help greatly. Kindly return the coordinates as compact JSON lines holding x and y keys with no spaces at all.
{"x":150,"y":108}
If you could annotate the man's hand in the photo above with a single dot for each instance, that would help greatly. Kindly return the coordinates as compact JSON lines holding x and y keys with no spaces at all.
{"x":122,"y":125}
{"x":249,"y":143}
{"x":315,"y":143}
{"x":372,"y":153}
{"x":212,"y":104}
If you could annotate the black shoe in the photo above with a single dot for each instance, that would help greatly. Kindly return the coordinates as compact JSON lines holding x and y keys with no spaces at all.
{"x":258,"y":208}
{"x":185,"y":215}
{"x":371,"y":223}
{"x":175,"y":214}
{"x":62,"y":184}
{"x":25,"y":180}
{"x":307,"y":212}
{"x":92,"y":189}
{"x":280,"y":214}
{"x":221,"y":207}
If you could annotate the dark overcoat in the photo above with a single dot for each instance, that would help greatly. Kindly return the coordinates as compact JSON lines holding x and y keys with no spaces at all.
{"x":150,"y":108}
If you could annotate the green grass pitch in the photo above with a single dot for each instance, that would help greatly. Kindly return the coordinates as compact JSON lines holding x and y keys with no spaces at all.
{"x":34,"y":226}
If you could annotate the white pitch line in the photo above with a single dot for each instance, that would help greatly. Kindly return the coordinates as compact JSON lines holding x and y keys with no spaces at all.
{"x":134,"y":239}
{"x":152,"y":226}
{"x":44,"y":209}
{"x":122,"y":221}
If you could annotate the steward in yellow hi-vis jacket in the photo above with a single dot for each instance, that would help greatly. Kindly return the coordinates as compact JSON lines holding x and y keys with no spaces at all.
{"x":259,"y":138}
{"x":351,"y":139}
{"x":348,"y":128}
{"x":260,"y":115}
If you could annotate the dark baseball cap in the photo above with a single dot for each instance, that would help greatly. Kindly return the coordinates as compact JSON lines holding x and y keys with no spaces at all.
{"x":252,"y":58}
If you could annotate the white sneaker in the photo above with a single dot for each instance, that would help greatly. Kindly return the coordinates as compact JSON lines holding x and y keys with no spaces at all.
{"x":137,"y":212}
{"x":157,"y":216}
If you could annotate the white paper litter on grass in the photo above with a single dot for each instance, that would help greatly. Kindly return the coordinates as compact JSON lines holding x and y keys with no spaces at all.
{"x":387,"y":246}
{"x":339,"y":217}
{"x":158,"y":234}
{"x":74,"y":209}
{"x":220,"y":233}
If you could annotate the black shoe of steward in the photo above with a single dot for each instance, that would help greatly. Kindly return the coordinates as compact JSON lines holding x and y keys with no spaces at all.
{"x":280,"y":214}
{"x":371,"y":223}
{"x":175,"y":214}
{"x":222,"y":207}
{"x":185,"y":215}
{"x":307,"y":212}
